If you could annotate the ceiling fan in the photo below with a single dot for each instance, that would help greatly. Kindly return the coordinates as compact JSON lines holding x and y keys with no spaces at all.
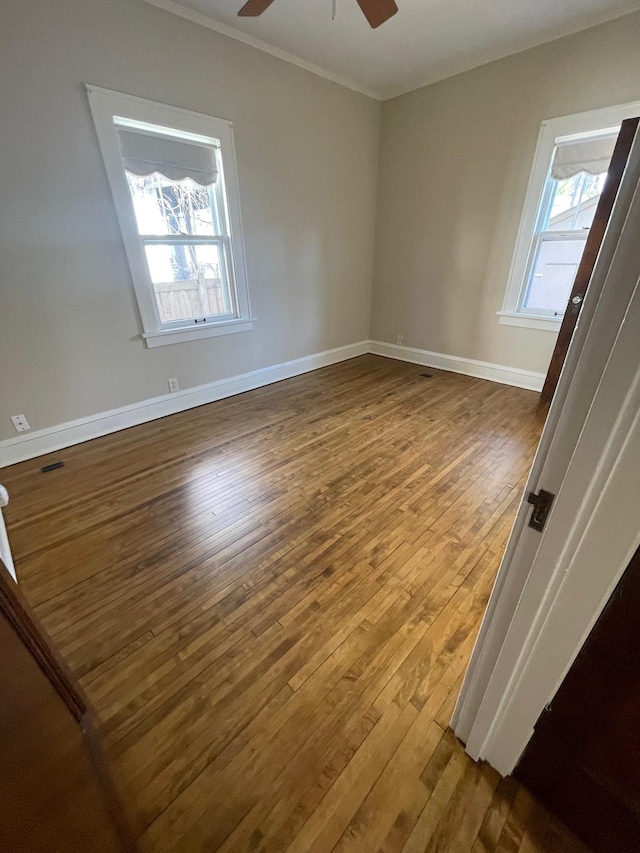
{"x":375,"y":11}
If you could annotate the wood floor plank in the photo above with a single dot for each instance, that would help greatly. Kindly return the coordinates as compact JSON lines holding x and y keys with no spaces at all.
{"x":496,"y":817}
{"x":523,"y":809}
{"x":436,"y":806}
{"x":271,"y":601}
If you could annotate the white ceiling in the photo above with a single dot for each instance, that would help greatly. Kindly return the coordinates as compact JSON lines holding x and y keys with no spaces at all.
{"x":426,"y":41}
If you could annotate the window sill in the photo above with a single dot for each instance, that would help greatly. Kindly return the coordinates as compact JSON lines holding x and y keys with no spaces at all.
{"x":195,"y":333}
{"x":529,"y":321}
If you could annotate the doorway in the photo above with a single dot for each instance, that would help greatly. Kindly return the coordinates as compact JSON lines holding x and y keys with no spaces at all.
{"x":551,"y":586}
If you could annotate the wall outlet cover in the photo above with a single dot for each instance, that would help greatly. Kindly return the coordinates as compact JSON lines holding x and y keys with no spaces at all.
{"x":400,"y":340}
{"x":174,"y":385}
{"x":20,"y":423}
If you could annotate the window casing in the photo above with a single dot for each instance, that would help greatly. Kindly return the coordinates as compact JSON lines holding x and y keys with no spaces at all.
{"x":173,"y":178}
{"x":556,"y":218}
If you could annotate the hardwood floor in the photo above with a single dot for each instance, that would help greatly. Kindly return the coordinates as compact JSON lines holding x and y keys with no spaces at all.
{"x":271,"y":601}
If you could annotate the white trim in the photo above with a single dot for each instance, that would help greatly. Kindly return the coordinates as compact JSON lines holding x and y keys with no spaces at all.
{"x":5,"y":550}
{"x":238,"y":35}
{"x":54,"y":438}
{"x":175,"y":336}
{"x":529,"y":321}
{"x":503,"y":693}
{"x":583,"y":579}
{"x":589,"y":540}
{"x":456,"y":364}
{"x":107,"y":106}
{"x":562,"y":128}
{"x":377,"y":95}
{"x":50,"y":439}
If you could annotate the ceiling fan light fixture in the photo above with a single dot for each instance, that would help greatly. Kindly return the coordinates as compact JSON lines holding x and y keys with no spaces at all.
{"x":377,"y":12}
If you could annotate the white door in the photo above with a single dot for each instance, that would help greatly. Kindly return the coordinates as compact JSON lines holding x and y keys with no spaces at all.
{"x":552,"y":585}
{"x":5,"y":551}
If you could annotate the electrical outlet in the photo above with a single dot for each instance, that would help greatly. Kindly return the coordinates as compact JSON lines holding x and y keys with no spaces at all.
{"x":20,"y":423}
{"x":400,"y":340}
{"x":173,"y":385}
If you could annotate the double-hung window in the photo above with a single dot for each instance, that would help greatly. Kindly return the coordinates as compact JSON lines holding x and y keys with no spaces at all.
{"x":172,"y":176}
{"x":569,"y":171}
{"x":572,"y":192}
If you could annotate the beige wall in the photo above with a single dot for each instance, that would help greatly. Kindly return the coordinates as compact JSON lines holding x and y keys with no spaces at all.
{"x":455,"y":159}
{"x":454,"y":164}
{"x":307,"y":160}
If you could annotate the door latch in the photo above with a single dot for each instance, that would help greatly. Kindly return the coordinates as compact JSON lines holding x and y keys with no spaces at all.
{"x":575,"y":303}
{"x":541,"y":504}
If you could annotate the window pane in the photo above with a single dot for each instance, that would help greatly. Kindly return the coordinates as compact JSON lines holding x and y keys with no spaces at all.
{"x":554,"y":270}
{"x":575,"y":201}
{"x":189,"y":281}
{"x":166,"y":207}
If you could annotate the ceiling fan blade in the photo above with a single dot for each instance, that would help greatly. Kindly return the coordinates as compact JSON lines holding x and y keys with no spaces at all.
{"x":378,"y":11}
{"x":253,"y":8}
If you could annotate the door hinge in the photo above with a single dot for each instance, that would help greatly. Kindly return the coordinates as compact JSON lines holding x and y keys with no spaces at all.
{"x":541,"y":504}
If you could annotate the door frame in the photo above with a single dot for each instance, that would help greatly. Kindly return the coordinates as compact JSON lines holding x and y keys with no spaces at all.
{"x":20,"y":617}
{"x":520,"y":656}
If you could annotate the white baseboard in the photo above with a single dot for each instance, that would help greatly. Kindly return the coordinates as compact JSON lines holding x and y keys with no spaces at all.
{"x":456,"y":364}
{"x":50,"y":439}
{"x":54,"y":438}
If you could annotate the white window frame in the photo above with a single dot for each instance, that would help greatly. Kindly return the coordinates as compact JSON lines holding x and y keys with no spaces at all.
{"x":107,"y":107}
{"x":552,"y":132}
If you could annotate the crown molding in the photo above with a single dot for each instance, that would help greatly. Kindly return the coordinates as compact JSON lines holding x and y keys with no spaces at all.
{"x":388,"y":93}
{"x":238,"y":35}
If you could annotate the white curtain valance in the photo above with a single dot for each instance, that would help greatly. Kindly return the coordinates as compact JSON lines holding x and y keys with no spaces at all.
{"x":590,"y":155}
{"x":176,"y":159}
